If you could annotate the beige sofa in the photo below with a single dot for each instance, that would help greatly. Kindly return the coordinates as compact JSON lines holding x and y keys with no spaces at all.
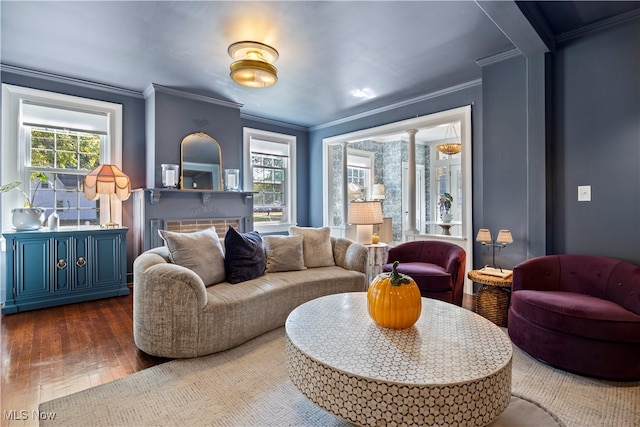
{"x":175,"y":315}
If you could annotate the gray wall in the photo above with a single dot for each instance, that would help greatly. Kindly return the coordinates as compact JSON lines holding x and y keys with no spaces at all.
{"x":596,"y":137}
{"x":504,"y":160}
{"x":176,"y":115}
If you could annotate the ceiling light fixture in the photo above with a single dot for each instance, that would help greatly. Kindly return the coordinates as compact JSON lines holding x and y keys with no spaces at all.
{"x":252,"y":64}
{"x":453,"y":146}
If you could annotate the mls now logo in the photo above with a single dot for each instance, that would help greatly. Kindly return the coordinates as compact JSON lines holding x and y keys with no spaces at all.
{"x":23,"y":415}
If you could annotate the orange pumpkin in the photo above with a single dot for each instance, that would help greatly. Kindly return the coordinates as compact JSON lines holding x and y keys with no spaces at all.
{"x":394,"y":300}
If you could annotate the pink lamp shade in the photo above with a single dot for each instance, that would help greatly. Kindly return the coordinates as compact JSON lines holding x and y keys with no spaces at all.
{"x":106,"y":179}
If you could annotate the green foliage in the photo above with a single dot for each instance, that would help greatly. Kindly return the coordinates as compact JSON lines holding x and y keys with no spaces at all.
{"x":446,"y":199}
{"x":64,"y":150}
{"x":37,"y":177}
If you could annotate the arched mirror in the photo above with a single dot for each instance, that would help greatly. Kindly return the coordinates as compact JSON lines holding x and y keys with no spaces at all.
{"x":201,"y":163}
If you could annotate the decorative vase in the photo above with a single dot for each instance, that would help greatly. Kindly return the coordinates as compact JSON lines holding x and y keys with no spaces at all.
{"x":53,"y":221}
{"x":394,"y":300}
{"x":446,"y":217}
{"x":375,"y":239}
{"x":27,"y":218}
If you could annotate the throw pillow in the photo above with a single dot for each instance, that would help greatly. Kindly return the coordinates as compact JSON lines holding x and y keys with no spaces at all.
{"x":316,"y":245}
{"x":199,"y":251}
{"x":244,"y":258}
{"x":284,"y":253}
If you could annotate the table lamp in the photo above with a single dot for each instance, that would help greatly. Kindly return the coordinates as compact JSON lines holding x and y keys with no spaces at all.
{"x":504,"y":238}
{"x":363,"y":215}
{"x":109,"y":180}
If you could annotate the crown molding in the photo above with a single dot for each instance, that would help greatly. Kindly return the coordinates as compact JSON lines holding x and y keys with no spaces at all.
{"x":273,"y":122}
{"x":411,"y":101}
{"x":189,"y":95}
{"x":7,"y":68}
{"x":598,"y":26}
{"x":493,"y":59}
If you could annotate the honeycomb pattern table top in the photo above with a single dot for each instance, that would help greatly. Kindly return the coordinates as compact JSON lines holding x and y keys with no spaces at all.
{"x":447,"y":345}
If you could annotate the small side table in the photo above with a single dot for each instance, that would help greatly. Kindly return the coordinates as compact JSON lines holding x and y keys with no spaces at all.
{"x":493,"y":296}
{"x":377,"y":258}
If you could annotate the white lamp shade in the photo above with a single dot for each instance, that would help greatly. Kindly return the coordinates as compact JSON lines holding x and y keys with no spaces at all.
{"x":504,"y":237}
{"x":484,"y":235}
{"x":365,"y":213}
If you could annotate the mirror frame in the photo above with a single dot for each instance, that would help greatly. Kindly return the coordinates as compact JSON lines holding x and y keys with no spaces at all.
{"x":185,"y":141}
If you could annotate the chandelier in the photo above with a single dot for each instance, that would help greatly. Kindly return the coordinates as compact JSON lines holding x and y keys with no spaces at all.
{"x":453,"y":146}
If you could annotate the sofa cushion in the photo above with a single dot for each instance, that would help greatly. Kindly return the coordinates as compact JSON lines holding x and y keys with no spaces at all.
{"x":199,"y":251}
{"x":577,"y":314}
{"x":284,"y":253}
{"x":244,"y":257}
{"x":316,"y":245}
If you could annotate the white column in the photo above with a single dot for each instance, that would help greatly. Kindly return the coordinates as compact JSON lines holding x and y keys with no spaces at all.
{"x":411,"y":193}
{"x":345,"y":186}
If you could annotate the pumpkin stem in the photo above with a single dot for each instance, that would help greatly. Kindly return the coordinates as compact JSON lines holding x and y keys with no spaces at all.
{"x":397,"y":279}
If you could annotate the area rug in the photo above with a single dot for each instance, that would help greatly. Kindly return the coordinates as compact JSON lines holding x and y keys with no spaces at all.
{"x":249,"y":386}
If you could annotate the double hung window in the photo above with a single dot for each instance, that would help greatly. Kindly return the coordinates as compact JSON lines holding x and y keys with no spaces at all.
{"x":62,"y":137}
{"x":270,"y":175}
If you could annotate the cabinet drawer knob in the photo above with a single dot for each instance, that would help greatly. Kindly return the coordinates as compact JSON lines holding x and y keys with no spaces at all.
{"x":81,"y":262}
{"x":62,"y":264}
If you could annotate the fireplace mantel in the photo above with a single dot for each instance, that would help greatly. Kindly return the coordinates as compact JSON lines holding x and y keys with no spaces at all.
{"x":155,"y":208}
{"x":206,"y":195}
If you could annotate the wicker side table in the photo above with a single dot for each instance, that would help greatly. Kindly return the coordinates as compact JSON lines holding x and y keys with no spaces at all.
{"x":493,"y":296}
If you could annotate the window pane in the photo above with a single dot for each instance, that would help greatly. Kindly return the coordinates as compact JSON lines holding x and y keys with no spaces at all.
{"x":42,"y":139}
{"x":42,"y":158}
{"x":76,"y":152}
{"x":269,"y":181}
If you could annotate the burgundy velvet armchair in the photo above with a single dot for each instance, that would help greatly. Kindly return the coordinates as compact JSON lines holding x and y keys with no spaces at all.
{"x":437,"y":267}
{"x":580,"y":313}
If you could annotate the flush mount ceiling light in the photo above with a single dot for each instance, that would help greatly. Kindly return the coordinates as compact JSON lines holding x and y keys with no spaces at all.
{"x":252,"y":64}
{"x":452,"y":143}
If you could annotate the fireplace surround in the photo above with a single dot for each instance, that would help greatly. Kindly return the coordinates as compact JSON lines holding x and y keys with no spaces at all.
{"x":187,"y":210}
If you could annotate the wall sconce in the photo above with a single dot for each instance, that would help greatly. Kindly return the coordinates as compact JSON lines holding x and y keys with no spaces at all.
{"x":363,"y":215}
{"x":504,"y":238}
{"x":252,"y":64}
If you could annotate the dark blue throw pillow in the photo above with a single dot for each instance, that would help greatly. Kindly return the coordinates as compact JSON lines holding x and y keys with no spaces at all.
{"x":244,"y":257}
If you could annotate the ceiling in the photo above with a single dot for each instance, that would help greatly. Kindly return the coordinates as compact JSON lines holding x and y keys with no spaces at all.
{"x":328,"y":49}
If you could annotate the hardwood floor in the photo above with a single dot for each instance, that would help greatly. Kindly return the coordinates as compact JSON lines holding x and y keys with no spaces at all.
{"x":57,"y":351}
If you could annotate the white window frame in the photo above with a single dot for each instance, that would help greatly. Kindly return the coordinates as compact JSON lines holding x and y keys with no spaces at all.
{"x":247,"y":177}
{"x":362,"y":160}
{"x":12,"y":147}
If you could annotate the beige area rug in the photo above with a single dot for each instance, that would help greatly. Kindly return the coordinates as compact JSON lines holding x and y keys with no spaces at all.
{"x":249,"y":386}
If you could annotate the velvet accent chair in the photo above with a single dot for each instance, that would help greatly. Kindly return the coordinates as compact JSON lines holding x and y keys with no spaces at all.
{"x":437,"y":267}
{"x":579,"y":313}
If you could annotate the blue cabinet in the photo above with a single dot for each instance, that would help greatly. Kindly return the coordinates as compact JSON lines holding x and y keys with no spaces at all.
{"x":47,"y":268}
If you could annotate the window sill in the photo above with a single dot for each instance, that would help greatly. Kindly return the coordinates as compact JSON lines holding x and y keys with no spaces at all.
{"x":265,"y":228}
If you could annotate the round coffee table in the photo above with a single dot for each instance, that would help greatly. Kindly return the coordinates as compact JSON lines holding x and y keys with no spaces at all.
{"x":452,"y":367}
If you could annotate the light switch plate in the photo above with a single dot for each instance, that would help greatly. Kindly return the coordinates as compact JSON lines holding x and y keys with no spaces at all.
{"x":584,"y":193}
